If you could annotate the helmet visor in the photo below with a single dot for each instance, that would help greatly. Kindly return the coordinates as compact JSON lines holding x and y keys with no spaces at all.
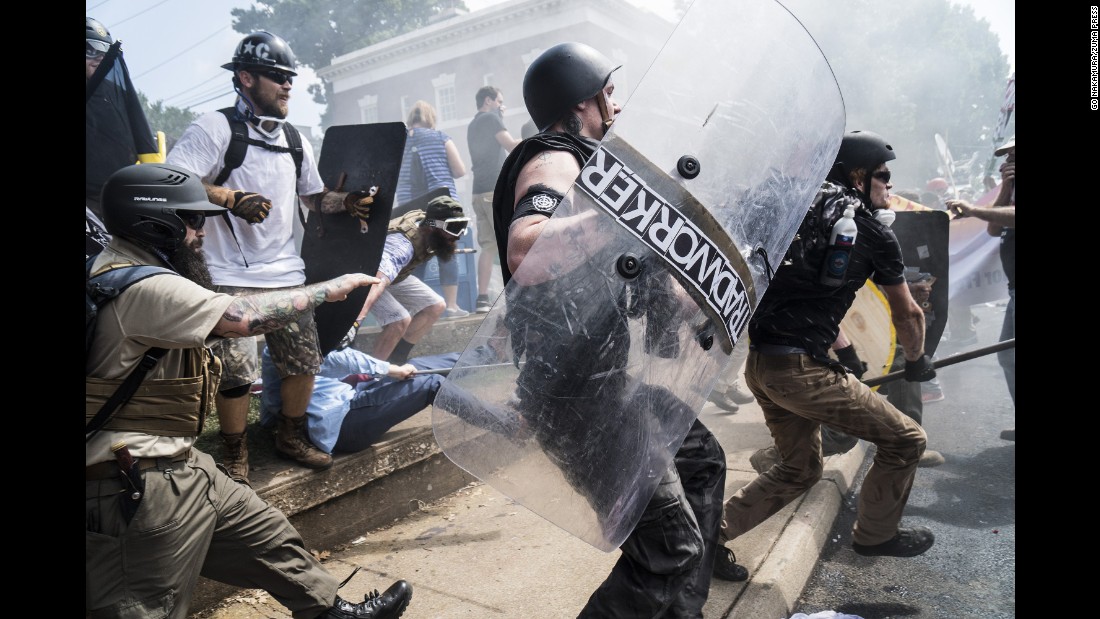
{"x":455,"y":226}
{"x":94,"y":48}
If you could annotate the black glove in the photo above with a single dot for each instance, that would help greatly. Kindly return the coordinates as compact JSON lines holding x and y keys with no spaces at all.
{"x":921,"y":370}
{"x":251,"y":207}
{"x":849,"y":359}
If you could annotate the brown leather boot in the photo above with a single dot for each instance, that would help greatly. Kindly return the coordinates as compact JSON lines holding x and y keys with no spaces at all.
{"x":292,"y":441}
{"x":235,"y":456}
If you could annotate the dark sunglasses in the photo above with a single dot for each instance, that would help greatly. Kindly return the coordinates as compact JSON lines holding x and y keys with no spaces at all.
{"x":94,"y":49}
{"x":277,"y":77}
{"x":193,"y":219}
{"x":883,"y":176}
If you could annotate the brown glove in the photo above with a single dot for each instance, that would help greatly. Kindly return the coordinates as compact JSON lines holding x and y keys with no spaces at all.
{"x":251,"y":207}
{"x":357,"y":203}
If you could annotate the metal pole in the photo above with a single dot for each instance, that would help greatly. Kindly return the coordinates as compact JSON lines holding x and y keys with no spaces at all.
{"x":946,"y":361}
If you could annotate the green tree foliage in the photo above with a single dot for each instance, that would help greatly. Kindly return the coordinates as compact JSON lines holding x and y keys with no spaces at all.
{"x":320,"y":30}
{"x":909,"y":70}
{"x":171,"y":120}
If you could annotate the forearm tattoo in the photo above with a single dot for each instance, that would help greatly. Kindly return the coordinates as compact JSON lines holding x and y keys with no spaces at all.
{"x":263,"y":312}
{"x":332,"y":202}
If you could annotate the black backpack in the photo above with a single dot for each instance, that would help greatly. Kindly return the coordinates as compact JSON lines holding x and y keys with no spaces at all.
{"x":807,"y":250}
{"x":99,"y":291}
{"x":238,"y":145}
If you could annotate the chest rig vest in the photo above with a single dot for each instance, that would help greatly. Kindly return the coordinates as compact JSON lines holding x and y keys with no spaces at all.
{"x":409,"y":225}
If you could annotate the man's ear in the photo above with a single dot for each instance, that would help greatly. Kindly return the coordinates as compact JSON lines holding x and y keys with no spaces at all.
{"x":246,"y":79}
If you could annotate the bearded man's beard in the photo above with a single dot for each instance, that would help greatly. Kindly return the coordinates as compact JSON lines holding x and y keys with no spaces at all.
{"x":442,"y":246}
{"x":190,"y":262}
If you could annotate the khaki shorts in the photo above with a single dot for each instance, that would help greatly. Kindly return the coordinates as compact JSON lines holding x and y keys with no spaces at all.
{"x":294,"y":349}
{"x":482,"y":207}
{"x":403,"y":299}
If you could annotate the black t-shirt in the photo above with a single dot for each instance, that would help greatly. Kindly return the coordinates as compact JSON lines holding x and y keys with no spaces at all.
{"x":504,"y":192}
{"x":798,"y":311}
{"x":486,"y":153}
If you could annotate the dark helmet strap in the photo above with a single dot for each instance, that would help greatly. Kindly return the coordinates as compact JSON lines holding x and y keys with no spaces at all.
{"x":103,"y":69}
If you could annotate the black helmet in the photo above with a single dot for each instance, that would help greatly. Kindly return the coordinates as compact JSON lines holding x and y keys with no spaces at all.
{"x":562,"y":77}
{"x":262,"y":50}
{"x":863,"y":149}
{"x":96,"y":36}
{"x":140,"y":203}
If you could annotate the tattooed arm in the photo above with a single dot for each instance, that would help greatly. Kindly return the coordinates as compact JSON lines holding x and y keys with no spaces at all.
{"x":555,"y":171}
{"x":260,"y":313}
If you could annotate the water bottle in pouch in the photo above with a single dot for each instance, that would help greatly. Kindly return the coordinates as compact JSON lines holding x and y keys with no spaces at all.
{"x":839,"y":251}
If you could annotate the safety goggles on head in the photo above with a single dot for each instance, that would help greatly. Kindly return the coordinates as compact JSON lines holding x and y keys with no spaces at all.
{"x":194,"y":219}
{"x":455,"y":226}
{"x":94,"y":48}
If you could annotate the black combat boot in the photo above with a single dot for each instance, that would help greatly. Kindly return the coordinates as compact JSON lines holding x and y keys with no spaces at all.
{"x":390,"y":604}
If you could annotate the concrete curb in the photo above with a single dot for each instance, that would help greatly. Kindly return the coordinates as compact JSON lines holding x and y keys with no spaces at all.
{"x":773,"y":589}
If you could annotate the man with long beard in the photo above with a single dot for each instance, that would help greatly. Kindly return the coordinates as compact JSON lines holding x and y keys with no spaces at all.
{"x":158,"y":511}
{"x":260,"y":254}
{"x":404,"y":306}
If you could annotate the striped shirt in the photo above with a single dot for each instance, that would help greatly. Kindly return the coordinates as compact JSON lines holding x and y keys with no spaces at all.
{"x":429,"y":147}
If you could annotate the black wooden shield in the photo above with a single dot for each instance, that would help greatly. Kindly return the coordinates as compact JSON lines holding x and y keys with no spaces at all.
{"x":923,"y":236}
{"x":353,"y":158}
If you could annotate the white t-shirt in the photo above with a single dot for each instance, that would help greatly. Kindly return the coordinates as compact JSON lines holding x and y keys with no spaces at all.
{"x":266,"y":248}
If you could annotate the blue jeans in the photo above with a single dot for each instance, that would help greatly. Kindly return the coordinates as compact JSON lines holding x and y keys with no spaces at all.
{"x":1007,"y":357}
{"x":381,"y":404}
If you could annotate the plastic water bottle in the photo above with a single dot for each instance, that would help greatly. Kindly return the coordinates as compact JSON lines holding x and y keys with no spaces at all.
{"x":839,"y":252}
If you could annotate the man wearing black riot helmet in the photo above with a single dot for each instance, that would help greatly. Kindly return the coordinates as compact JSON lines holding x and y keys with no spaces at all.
{"x":143,"y":472}
{"x":666,"y":563}
{"x":254,"y":250}
{"x":799,"y":387}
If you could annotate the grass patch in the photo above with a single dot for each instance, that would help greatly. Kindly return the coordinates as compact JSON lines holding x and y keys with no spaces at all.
{"x":261,"y":441}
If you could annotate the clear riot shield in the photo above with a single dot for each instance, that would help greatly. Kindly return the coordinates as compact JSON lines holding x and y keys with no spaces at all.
{"x":580,"y":385}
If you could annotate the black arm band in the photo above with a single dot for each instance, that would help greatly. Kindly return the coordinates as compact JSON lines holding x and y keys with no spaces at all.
{"x":539,"y":200}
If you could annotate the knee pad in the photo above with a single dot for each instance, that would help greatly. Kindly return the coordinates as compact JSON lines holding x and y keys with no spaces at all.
{"x":235,"y":392}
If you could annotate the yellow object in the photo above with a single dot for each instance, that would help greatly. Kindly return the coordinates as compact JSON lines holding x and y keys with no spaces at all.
{"x":869,"y":326}
{"x":898,"y":203}
{"x":158,"y":157}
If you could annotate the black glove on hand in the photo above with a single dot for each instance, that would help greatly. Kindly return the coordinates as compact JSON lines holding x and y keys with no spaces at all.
{"x":849,"y":359}
{"x":251,"y":207}
{"x":357,"y":203}
{"x":921,"y":370}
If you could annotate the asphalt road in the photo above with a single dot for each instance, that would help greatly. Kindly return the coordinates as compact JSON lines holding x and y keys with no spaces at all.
{"x":969,"y":503}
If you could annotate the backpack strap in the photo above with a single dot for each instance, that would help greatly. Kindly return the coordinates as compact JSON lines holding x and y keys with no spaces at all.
{"x":238,"y":146}
{"x":103,"y":288}
{"x":125,"y":391}
{"x":240,"y":141}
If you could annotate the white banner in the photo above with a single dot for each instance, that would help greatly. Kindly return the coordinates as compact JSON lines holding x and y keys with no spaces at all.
{"x":976,"y":273}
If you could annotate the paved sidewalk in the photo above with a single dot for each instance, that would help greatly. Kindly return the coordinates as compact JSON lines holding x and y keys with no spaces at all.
{"x":477,"y":554}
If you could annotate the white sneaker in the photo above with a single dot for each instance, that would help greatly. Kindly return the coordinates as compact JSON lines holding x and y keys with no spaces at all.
{"x":739,"y":393}
{"x":453,"y":312}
